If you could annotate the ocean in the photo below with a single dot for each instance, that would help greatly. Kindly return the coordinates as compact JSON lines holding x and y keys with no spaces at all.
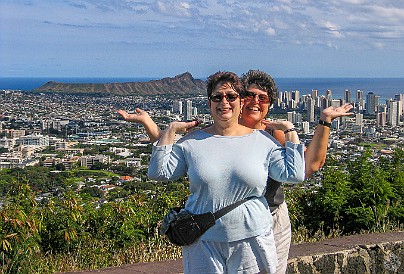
{"x":386,"y":88}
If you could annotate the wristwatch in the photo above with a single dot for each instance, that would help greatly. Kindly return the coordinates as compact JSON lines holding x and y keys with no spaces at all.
{"x":326,"y":124}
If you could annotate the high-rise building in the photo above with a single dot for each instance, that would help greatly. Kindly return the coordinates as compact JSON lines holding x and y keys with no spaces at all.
{"x":292,"y":104}
{"x":370,"y":103}
{"x":298,"y":118}
{"x":177,"y":106}
{"x":359,"y":119}
{"x":335,"y":103}
{"x":296,"y":96}
{"x":400,"y":97}
{"x":322,"y":102}
{"x":314,"y":93}
{"x":328,"y":94}
{"x":287,"y":96}
{"x":381,"y":119}
{"x":291,"y":116}
{"x":306,"y":127}
{"x":359,"y":98}
{"x":347,"y":96}
{"x":394,"y":110}
{"x":188,"y":110}
{"x":310,"y":109}
{"x":377,"y":101}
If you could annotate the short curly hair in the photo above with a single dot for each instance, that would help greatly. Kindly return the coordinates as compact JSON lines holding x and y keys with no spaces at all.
{"x":263,"y":81}
{"x":224,"y":77}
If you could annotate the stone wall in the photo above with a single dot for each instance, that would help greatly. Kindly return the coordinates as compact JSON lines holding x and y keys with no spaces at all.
{"x":376,"y":253}
{"x":366,"y":253}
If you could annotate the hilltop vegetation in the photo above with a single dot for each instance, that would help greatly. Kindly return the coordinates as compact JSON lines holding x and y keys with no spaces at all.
{"x":72,"y":230}
{"x":183,"y":84}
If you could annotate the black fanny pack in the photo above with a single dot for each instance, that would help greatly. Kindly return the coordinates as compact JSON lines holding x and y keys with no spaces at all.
{"x":184,"y":228}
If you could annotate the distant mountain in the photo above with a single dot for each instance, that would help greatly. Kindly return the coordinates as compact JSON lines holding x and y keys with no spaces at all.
{"x":183,"y":84}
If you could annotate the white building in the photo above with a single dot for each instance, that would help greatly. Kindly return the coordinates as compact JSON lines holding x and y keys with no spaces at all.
{"x":33,"y":140}
{"x":88,"y":161}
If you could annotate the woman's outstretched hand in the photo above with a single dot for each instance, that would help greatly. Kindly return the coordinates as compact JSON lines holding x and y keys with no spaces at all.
{"x":140,"y":116}
{"x":330,"y":113}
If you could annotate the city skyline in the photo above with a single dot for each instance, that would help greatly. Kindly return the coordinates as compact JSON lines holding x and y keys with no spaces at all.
{"x":349,"y":38}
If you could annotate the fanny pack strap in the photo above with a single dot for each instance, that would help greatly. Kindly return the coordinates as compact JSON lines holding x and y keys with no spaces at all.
{"x":221,"y":212}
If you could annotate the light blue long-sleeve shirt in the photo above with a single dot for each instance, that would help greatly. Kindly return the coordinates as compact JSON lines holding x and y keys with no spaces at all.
{"x":224,"y":169}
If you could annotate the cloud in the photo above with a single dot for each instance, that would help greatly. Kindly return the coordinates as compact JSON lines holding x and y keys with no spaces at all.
{"x":174,"y":8}
{"x":133,"y":26}
{"x":271,"y":31}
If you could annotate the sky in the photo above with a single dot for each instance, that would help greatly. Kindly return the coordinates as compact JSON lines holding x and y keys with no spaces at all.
{"x":129,"y":38}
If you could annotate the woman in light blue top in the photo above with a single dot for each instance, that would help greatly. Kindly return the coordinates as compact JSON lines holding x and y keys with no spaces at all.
{"x":227,"y":162}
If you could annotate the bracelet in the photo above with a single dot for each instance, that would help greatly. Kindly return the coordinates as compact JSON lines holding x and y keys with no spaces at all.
{"x":289,"y":130}
{"x":323,"y":123}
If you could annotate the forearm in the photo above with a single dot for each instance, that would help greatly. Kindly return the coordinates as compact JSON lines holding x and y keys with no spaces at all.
{"x":167,"y":136}
{"x":316,"y":152}
{"x":292,"y":136}
{"x":152,"y":130}
{"x":291,"y":133}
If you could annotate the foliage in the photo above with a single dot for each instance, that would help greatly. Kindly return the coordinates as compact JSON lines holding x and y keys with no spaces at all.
{"x":77,"y":231}
{"x":71,"y":230}
{"x":360,"y":195}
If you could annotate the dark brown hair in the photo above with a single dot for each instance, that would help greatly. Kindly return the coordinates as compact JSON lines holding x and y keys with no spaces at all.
{"x":224,"y":77}
{"x":263,"y":81}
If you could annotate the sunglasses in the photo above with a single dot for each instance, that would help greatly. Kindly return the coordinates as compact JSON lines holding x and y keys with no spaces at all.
{"x":230,"y":97}
{"x":263,"y":98}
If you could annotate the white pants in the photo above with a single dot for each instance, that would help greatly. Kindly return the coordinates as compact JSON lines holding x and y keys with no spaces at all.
{"x":283,"y":236}
{"x":248,"y":256}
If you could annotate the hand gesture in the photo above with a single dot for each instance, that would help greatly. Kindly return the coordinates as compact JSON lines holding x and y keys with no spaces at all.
{"x":182,"y":127}
{"x":140,"y":116}
{"x":277,"y":125}
{"x":330,"y":113}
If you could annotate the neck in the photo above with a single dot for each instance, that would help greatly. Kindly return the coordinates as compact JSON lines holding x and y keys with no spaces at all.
{"x":233,"y":130}
{"x":252,"y":124}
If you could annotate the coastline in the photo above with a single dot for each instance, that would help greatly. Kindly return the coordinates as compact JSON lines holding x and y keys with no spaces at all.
{"x":386,"y":88}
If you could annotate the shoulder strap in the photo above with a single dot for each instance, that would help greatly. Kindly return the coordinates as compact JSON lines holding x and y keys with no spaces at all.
{"x":221,"y":212}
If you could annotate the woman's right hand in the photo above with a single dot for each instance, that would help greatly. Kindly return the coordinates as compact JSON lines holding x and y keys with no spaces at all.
{"x":140,"y":116}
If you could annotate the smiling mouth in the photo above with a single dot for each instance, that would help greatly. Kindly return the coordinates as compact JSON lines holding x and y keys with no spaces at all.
{"x":253,"y":108}
{"x":224,"y":109}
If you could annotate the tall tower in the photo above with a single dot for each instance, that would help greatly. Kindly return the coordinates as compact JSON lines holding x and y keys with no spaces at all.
{"x":394,"y":109}
{"x":359,"y":97}
{"x":370,"y":103}
{"x":381,"y":119}
{"x":177,"y":106}
{"x":314,"y":93}
{"x":400,"y":97}
{"x":310,"y":109}
{"x":347,"y":96}
{"x":328,"y":94}
{"x":188,"y":110}
{"x":296,"y":96}
{"x":292,"y":116}
{"x":359,"y":119}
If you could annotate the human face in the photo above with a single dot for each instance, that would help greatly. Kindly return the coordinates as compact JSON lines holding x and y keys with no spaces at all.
{"x":254,"y":110}
{"x":228,"y":108}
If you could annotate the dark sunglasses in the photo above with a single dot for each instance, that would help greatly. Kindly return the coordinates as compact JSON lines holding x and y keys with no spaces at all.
{"x":263,"y":98}
{"x":230,"y":97}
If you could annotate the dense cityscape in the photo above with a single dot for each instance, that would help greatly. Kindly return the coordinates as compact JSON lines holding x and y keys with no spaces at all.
{"x":56,"y":130}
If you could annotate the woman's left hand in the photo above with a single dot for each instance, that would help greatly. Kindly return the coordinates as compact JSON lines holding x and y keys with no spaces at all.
{"x":182,"y":127}
{"x":277,"y":125}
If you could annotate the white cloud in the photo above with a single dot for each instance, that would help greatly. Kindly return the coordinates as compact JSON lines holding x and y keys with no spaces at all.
{"x":378,"y":45}
{"x":271,"y":31}
{"x":174,"y":8}
{"x":196,"y":26}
